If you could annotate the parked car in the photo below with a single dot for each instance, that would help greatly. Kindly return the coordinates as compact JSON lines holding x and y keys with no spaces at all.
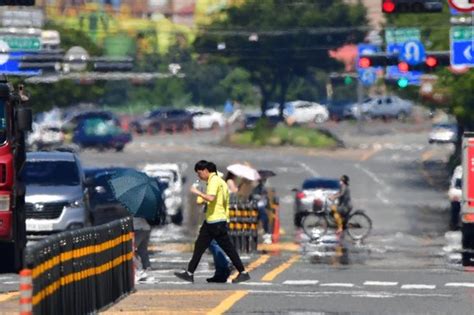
{"x":337,"y":109}
{"x":55,"y":197}
{"x":169,"y":174}
{"x":382,"y":107}
{"x":455,"y":195}
{"x":204,"y":118}
{"x":165,"y":119}
{"x":443,"y":133}
{"x":311,"y":190}
{"x":251,"y":120}
{"x":104,"y":207}
{"x":302,"y":112}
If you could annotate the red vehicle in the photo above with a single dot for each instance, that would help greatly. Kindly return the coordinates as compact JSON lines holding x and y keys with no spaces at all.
{"x":15,"y":119}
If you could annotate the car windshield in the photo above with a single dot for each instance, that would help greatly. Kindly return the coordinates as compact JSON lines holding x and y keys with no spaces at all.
{"x":101,"y":127}
{"x":321,"y":184}
{"x":51,"y":173}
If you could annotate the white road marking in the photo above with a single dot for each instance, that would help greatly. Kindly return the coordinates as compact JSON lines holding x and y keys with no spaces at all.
{"x":380,"y":283}
{"x":460,"y":284}
{"x":371,"y":175}
{"x":257,"y":283}
{"x":11,"y":282}
{"x":301,"y":282}
{"x":350,"y":292}
{"x":336,"y":284}
{"x":418,"y":287}
{"x":309,"y":169}
{"x":382,"y":198}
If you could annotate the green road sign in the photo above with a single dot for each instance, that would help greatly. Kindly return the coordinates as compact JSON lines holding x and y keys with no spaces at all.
{"x":402,"y":35}
{"x":22,"y":43}
{"x":462,"y":33}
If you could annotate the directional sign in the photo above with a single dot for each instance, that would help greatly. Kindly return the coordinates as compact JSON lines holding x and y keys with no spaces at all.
{"x":396,"y":39}
{"x":22,"y":43}
{"x":368,"y":76}
{"x":11,"y":66}
{"x":462,"y":5}
{"x":462,"y":46}
{"x":365,"y":49}
{"x":413,"y":52}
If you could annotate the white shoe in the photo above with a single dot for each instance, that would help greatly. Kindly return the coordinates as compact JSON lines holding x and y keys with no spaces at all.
{"x":267,"y":238}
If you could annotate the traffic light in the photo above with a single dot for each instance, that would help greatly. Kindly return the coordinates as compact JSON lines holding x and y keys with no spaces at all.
{"x":402,"y":82}
{"x":433,"y":60}
{"x":342,"y":78}
{"x":17,"y":2}
{"x":411,"y":6}
{"x":377,"y":60}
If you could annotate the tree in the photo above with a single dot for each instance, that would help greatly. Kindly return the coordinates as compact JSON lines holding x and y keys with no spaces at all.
{"x":278,"y":41}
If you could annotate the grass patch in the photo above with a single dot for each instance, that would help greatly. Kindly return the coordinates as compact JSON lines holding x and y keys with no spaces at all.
{"x":262,"y":135}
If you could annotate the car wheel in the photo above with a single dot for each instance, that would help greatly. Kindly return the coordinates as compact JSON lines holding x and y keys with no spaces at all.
{"x":319,"y":118}
{"x":177,"y":218}
{"x":402,"y":116}
{"x":215,"y":126}
{"x":119,"y":148}
{"x":297,"y":219}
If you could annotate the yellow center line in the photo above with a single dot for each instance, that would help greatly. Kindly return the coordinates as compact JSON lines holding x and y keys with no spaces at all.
{"x":253,"y":265}
{"x":275,"y":272}
{"x":7,"y":296}
{"x":225,"y":305}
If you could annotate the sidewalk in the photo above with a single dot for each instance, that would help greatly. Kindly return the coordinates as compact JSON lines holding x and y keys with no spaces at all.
{"x":165,"y":301}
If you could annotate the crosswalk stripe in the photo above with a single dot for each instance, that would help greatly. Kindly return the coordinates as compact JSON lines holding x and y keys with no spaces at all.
{"x":460,"y":284}
{"x":345,"y":285}
{"x":380,"y":283}
{"x":418,"y":286}
{"x":301,"y":282}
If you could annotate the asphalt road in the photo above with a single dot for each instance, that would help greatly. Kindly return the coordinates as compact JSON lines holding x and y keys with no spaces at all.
{"x":409,"y":264}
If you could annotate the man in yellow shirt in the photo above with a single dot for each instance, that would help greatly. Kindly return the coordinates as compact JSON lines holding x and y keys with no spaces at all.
{"x":215,"y":224}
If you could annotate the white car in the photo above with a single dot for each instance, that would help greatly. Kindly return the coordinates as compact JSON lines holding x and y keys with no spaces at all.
{"x":205,"y":118}
{"x":455,"y":195}
{"x":45,"y":137}
{"x":169,"y":173}
{"x":302,"y":112}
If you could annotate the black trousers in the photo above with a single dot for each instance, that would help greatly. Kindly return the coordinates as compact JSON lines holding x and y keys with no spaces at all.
{"x":218,"y":232}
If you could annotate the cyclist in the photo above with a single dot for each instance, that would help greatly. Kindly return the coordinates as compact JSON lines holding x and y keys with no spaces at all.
{"x":344,"y":204}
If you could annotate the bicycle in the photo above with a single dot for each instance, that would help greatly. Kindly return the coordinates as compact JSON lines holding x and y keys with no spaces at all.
{"x":315,"y":223}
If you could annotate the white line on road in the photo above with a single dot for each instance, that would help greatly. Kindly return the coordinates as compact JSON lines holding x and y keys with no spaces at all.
{"x":336,"y":284}
{"x":371,"y":175}
{"x":301,"y":282}
{"x":309,"y":169}
{"x":380,"y":283}
{"x":353,"y":293}
{"x":382,"y":198}
{"x":258,"y":283}
{"x":460,"y":284}
{"x":11,"y":282}
{"x":418,"y":287}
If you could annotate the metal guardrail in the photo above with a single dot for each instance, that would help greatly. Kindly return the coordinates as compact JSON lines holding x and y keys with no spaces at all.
{"x":80,"y":271}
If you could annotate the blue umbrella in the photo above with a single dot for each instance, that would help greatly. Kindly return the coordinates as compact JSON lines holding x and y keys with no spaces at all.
{"x":137,"y":192}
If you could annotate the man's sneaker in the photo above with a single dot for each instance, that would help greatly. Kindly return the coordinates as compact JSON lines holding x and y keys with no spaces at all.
{"x":267,"y":238}
{"x":243,"y":276}
{"x":217,"y":280}
{"x":185,"y":276}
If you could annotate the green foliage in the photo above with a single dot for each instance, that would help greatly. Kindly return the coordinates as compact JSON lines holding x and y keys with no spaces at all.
{"x":71,"y":37}
{"x":434,"y":26}
{"x":459,"y":89}
{"x":262,"y":135}
{"x":290,"y":43}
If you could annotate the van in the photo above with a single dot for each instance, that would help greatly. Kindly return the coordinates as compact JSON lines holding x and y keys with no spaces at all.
{"x":56,"y":198}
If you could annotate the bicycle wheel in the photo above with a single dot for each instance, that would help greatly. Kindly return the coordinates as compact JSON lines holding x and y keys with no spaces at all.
{"x":315,"y":226}
{"x":359,"y":225}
